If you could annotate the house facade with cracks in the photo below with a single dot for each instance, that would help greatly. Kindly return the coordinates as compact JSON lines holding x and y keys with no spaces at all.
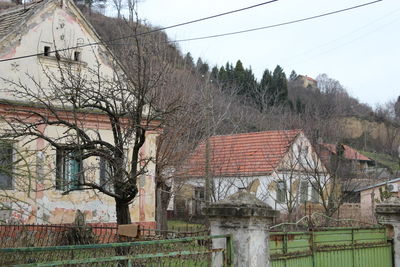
{"x":37,"y":180}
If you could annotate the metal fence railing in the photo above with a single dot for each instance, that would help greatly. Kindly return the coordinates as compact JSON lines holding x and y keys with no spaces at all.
{"x":331,"y":247}
{"x":39,"y":235}
{"x":19,"y":235}
{"x":188,"y":251}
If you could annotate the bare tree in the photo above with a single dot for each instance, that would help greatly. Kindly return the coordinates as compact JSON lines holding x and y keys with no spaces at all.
{"x":128,"y":100}
{"x":118,"y":4}
{"x":182,"y":131}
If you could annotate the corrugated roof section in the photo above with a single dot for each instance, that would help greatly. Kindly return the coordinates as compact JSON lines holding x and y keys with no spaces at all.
{"x":244,"y":154}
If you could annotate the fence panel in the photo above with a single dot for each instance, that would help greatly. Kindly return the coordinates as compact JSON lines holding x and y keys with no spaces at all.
{"x":38,"y":235}
{"x":331,"y":247}
{"x":189,"y":251}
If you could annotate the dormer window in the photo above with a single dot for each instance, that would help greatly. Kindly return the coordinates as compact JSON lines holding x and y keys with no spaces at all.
{"x":46,"y":51}
{"x":77,"y":56}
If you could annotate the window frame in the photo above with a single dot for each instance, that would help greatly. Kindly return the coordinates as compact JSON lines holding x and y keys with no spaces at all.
{"x":64,"y":179}
{"x":281,"y":191}
{"x":304,"y":191}
{"x":105,"y":175}
{"x":314,"y":195}
{"x":9,"y":175}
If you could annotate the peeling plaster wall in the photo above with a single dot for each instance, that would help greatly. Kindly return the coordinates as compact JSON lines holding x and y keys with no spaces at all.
{"x":30,"y":201}
{"x":36,"y":203}
{"x":57,"y":27}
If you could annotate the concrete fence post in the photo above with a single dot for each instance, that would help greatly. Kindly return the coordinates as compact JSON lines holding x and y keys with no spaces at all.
{"x":246,"y":219}
{"x":388,"y":212}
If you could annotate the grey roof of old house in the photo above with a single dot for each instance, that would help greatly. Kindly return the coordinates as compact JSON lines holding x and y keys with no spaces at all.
{"x":12,"y":19}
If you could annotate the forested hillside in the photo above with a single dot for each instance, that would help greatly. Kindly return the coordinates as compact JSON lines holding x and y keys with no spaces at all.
{"x":229,"y":99}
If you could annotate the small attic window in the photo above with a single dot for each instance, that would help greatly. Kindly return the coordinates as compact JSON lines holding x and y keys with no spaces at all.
{"x":46,"y":51}
{"x":77,"y":56}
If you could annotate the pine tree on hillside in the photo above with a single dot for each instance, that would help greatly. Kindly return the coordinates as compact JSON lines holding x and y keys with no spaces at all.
{"x":261,"y":95}
{"x":279,"y":90}
{"x":240,"y":77}
{"x":188,"y":60}
{"x":293,"y":76}
{"x":202,"y":67}
{"x":214,"y":76}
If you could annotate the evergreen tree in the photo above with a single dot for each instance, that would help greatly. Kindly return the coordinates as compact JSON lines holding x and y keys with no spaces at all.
{"x":266,"y":80}
{"x":239,"y":75}
{"x":244,"y":79}
{"x":263,"y":91}
{"x":279,"y":91}
{"x":293,"y":75}
{"x":188,"y":60}
{"x":222,"y":75}
{"x":250,"y":81}
{"x":214,"y":76}
{"x":229,"y":73}
{"x":202,"y":67}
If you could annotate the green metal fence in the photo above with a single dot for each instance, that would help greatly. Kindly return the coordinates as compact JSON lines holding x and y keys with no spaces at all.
{"x":332,"y":247}
{"x":189,"y":251}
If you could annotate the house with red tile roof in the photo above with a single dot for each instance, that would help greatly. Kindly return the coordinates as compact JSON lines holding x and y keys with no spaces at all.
{"x":306,"y":82}
{"x":359,"y":162}
{"x":279,"y":159}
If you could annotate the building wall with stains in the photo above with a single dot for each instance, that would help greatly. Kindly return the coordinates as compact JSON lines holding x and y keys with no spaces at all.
{"x":59,"y":25}
{"x":34,"y":198}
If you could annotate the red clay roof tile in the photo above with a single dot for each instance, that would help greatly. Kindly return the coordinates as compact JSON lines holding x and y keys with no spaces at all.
{"x":240,"y":154}
{"x":349,"y":152}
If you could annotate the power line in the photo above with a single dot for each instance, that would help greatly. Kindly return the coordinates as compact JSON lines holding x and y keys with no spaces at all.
{"x":343,"y":36}
{"x":350,"y":41}
{"x":209,"y":36}
{"x":276,"y":25}
{"x":266,"y":27}
{"x":148,"y":32}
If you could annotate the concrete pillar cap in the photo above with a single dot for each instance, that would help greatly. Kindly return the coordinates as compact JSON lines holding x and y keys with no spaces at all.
{"x":240,"y":204}
{"x":389,"y":206}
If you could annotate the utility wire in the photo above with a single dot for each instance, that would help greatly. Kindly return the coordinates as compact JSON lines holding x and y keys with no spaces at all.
{"x":265,"y":27}
{"x":209,"y":36}
{"x":147,"y":32}
{"x":276,"y":25}
{"x":342,"y":36}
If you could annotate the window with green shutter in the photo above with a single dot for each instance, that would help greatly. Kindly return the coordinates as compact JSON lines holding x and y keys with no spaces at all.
{"x":6,"y":165}
{"x":69,"y":171}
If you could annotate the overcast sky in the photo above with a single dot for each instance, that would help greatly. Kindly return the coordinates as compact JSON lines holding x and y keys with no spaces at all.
{"x":360,"y":48}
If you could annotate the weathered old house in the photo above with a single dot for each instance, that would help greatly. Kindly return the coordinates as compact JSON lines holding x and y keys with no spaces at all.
{"x":358,"y":163}
{"x":38,"y":29}
{"x":282,"y":161}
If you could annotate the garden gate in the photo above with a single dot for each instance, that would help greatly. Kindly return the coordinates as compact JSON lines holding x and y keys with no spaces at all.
{"x":332,"y":247}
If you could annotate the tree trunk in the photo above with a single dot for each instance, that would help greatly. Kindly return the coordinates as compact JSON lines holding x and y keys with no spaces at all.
{"x":162,"y":199}
{"x":123,"y":214}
